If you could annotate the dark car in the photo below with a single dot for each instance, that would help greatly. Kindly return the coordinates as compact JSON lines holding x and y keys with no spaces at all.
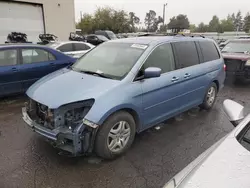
{"x":22,"y":65}
{"x":96,"y":39}
{"x":108,"y":34}
{"x":237,"y":59}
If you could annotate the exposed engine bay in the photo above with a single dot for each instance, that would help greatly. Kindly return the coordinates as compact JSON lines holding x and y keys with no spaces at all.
{"x":73,"y":136}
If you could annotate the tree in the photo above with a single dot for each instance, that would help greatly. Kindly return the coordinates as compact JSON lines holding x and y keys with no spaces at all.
{"x":151,"y":21}
{"x":247,"y":23}
{"x":106,"y":19}
{"x":202,"y":28}
{"x":192,"y":28}
{"x":133,"y":20}
{"x":214,"y":24}
{"x":238,"y":22}
{"x":120,"y":22}
{"x":228,"y":24}
{"x":163,"y":28}
{"x":178,"y":23}
{"x":86,"y":23}
{"x":157,"y":21}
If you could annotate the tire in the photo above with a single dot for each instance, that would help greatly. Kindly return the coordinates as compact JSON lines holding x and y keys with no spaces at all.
{"x":207,"y":104}
{"x":111,"y":136}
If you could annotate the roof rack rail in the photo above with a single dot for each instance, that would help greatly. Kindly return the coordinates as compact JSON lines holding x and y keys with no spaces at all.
{"x":183,"y":35}
{"x":198,"y":36}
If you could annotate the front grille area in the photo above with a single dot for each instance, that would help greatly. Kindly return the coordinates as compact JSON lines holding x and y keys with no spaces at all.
{"x":41,"y":114}
{"x":234,"y":65}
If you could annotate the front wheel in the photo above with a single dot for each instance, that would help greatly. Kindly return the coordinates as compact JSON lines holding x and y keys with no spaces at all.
{"x":210,"y":97}
{"x":115,"y":135}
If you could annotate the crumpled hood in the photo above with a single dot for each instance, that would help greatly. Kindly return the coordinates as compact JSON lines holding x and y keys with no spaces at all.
{"x":67,"y":86}
{"x":228,"y":166}
{"x":237,"y":56}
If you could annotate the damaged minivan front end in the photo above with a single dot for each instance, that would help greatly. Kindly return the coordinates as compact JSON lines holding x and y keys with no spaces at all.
{"x":65,"y":127}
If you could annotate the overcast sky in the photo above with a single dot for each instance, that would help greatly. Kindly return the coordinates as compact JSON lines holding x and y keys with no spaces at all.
{"x":196,"y":10}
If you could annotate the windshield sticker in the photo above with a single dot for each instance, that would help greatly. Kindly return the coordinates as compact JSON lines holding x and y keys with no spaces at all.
{"x":140,"y":46}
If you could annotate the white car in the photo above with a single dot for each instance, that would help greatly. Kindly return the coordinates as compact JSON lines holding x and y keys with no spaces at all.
{"x":72,"y":48}
{"x":227,"y":163}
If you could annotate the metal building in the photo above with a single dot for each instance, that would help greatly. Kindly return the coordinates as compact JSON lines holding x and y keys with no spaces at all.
{"x":34,"y":17}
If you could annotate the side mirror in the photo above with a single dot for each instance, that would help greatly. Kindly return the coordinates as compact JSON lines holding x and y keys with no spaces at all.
{"x":152,"y":72}
{"x":234,"y":111}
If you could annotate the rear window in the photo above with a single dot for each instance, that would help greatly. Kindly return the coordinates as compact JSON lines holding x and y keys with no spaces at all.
{"x":209,"y":51}
{"x":186,"y":54}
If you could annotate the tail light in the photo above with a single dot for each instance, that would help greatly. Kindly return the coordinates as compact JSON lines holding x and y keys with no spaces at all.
{"x":225,"y":67}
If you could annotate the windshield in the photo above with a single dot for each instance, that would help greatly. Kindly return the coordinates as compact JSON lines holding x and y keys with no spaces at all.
{"x":111,"y":35}
{"x":53,"y":45}
{"x":237,"y":47}
{"x":102,"y":37}
{"x":113,"y":60}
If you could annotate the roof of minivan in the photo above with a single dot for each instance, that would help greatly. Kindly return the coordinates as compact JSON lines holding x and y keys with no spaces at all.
{"x":158,"y":39}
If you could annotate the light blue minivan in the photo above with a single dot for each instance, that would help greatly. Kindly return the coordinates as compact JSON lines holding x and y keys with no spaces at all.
{"x":121,"y":88}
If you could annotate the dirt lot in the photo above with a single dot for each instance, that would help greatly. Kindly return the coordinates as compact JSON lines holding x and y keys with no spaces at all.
{"x":27,"y":161}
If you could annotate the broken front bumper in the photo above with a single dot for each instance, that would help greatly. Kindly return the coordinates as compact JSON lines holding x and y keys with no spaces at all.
{"x":77,"y":142}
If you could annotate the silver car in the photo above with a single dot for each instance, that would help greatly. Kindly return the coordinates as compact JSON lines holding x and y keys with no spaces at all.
{"x":227,"y":163}
{"x":72,"y":48}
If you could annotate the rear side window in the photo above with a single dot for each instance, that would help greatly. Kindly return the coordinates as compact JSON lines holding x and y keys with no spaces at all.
{"x":80,"y":47}
{"x":8,"y":57}
{"x":36,"y":55}
{"x":66,"y":47}
{"x":186,"y":54}
{"x":209,"y":51}
{"x":162,"y":57}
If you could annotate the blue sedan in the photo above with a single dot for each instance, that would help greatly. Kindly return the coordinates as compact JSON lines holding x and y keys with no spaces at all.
{"x":23,"y":64}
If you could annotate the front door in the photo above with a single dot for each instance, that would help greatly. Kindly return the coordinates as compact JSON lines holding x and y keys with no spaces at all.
{"x":9,"y":72}
{"x":160,"y":95}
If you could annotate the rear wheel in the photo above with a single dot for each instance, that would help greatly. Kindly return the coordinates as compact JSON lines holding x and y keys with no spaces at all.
{"x":115,"y":135}
{"x":210,"y":97}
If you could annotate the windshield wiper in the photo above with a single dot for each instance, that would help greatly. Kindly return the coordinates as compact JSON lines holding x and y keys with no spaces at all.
{"x":95,"y":73}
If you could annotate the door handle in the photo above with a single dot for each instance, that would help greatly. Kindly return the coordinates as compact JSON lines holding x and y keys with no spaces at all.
{"x":174,"y":79}
{"x":187,"y":75}
{"x":14,"y":69}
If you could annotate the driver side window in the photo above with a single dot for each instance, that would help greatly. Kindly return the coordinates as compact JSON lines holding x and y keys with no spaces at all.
{"x":162,"y":57}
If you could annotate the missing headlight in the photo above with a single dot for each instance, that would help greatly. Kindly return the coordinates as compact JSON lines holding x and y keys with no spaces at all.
{"x":75,"y":116}
{"x":71,"y":115}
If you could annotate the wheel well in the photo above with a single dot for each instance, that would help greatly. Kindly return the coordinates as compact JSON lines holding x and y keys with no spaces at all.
{"x":133,"y":113}
{"x":217,"y":84}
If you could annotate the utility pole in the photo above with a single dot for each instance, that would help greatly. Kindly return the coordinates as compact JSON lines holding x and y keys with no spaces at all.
{"x":164,"y":10}
{"x":81,"y":15}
